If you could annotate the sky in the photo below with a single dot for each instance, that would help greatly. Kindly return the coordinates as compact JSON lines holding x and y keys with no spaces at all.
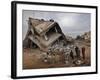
{"x":72,"y":24}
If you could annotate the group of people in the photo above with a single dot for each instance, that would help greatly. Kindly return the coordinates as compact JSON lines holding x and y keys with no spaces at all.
{"x":78,"y":53}
{"x":51,"y":58}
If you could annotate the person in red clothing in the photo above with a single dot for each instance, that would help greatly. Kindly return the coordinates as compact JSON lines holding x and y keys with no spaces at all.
{"x":83,"y":52}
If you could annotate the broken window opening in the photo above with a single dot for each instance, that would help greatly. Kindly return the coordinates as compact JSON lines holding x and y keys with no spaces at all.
{"x":51,"y":31}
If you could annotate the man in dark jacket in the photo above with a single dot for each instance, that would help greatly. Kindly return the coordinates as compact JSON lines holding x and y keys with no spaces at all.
{"x":77,"y":50}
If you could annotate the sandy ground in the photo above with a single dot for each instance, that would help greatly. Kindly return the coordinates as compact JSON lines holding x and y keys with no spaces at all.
{"x":32,"y":59}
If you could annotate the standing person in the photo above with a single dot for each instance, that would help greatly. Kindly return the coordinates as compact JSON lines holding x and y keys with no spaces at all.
{"x":71,"y":54}
{"x":83,"y":52}
{"x":77,"y":52}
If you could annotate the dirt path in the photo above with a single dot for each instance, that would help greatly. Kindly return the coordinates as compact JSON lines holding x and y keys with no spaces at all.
{"x":32,"y":58}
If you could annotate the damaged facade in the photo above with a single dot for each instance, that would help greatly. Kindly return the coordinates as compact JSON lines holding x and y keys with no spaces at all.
{"x":43,"y":34}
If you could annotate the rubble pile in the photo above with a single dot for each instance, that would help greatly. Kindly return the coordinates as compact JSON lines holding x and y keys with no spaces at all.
{"x":58,"y":52}
{"x":58,"y":49}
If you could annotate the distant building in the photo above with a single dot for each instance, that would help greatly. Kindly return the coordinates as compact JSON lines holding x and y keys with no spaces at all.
{"x":87,"y":36}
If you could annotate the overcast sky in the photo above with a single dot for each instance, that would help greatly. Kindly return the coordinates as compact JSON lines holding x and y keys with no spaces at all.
{"x":72,"y":24}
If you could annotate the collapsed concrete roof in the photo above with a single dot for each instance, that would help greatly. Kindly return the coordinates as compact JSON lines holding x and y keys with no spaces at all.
{"x":41,"y":26}
{"x":43,"y":33}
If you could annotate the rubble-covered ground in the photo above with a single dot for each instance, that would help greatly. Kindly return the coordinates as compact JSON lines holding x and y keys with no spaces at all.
{"x":58,"y":55}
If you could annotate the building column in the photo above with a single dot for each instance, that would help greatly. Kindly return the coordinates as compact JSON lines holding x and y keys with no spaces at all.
{"x":46,"y":37}
{"x":56,"y":29}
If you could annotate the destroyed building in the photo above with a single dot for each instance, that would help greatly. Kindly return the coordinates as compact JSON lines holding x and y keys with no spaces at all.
{"x":43,"y":34}
{"x":87,"y":36}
